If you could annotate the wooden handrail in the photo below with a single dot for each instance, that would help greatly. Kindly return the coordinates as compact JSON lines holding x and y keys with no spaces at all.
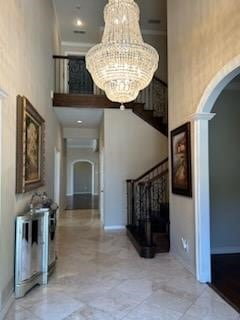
{"x":67,"y":57}
{"x":161,"y":81}
{"x":150,"y":170}
{"x":155,"y":178}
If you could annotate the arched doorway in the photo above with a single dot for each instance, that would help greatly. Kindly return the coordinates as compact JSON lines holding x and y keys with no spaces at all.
{"x":83,"y":183}
{"x":83,"y":177}
{"x":224,"y":173}
{"x":201,"y":166}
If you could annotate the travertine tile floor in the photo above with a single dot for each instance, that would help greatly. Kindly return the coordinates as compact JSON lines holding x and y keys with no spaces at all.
{"x":99,"y":276}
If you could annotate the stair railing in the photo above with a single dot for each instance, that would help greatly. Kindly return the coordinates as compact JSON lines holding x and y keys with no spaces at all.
{"x":70,"y":71}
{"x":148,"y":200}
{"x":155,"y":98}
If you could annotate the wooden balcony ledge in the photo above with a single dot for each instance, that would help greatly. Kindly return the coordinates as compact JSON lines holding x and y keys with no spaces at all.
{"x":88,"y":101}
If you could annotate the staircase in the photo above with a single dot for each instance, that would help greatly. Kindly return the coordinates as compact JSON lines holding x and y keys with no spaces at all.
{"x":153,"y":105}
{"x":148,"y":211}
{"x":75,"y":88}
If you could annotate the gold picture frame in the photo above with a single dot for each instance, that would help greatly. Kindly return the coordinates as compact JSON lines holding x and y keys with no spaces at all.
{"x":181,"y":160}
{"x":30,"y":147}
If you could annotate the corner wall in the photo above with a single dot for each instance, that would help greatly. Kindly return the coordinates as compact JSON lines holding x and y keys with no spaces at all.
{"x":26,"y":48}
{"x":131,"y":147}
{"x":203,"y":36}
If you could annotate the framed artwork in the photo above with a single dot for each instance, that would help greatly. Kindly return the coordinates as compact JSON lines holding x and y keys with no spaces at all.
{"x":181,"y":160}
{"x":30,"y":147}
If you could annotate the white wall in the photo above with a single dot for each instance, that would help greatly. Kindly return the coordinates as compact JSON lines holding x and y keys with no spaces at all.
{"x":131,"y":147}
{"x":75,"y":154}
{"x":26,"y":48}
{"x":224,"y":154}
{"x":203,"y":36}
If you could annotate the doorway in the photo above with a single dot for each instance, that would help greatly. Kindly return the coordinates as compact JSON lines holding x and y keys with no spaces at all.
{"x":83,"y":186}
{"x":224,"y":159}
{"x":83,"y":179}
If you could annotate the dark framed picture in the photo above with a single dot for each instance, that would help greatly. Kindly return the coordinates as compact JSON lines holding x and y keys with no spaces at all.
{"x":30,"y":147}
{"x":181,"y":160}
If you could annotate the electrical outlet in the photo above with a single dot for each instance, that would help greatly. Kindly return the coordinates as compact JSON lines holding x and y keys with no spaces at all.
{"x":185,"y":245}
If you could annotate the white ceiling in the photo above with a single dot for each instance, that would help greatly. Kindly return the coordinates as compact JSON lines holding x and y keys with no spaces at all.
{"x":68,"y":117}
{"x":91,"y":14}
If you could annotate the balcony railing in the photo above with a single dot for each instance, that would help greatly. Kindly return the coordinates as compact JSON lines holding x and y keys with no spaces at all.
{"x":72,"y":77}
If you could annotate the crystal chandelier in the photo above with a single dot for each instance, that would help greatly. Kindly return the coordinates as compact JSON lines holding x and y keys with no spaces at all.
{"x":122,"y":64}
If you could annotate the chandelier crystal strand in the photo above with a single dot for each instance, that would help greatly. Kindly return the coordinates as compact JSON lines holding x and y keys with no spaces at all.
{"x":122,"y":64}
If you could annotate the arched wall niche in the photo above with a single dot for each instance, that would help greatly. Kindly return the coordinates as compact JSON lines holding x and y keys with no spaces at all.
{"x":72,"y":173}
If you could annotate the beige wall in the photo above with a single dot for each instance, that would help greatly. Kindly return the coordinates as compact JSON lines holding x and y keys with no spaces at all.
{"x":131,"y":147}
{"x":203,"y":36}
{"x":26,"y":47}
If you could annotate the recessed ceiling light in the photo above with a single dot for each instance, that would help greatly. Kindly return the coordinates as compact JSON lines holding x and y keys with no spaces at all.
{"x":79,"y":23}
{"x":79,"y":121}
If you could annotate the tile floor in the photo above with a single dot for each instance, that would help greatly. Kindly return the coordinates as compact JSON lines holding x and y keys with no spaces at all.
{"x":99,"y":276}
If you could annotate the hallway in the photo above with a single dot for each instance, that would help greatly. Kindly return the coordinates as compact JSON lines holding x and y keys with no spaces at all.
{"x":99,"y":276}
{"x":82,"y":201}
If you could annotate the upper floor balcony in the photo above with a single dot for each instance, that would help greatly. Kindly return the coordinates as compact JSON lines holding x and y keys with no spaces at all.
{"x":74,"y":87}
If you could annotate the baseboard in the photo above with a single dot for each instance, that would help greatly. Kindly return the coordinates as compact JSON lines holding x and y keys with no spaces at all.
{"x":109,"y":228}
{"x":7,"y":306}
{"x":225,"y":250}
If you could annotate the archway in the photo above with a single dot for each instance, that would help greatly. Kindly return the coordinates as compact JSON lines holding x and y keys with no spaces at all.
{"x":88,"y":181}
{"x":201,"y":166}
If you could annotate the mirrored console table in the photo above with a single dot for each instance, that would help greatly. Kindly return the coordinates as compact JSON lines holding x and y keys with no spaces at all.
{"x":35,"y":252}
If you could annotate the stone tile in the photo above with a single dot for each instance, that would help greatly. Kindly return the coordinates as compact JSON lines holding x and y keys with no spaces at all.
{"x":20,"y":314}
{"x":137,"y":288}
{"x":152,"y":312}
{"x":50,"y":304}
{"x":116,"y":303}
{"x":89,"y":313}
{"x":209,"y":307}
{"x":187,"y":317}
{"x":170,"y":300}
{"x":99,"y":276}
